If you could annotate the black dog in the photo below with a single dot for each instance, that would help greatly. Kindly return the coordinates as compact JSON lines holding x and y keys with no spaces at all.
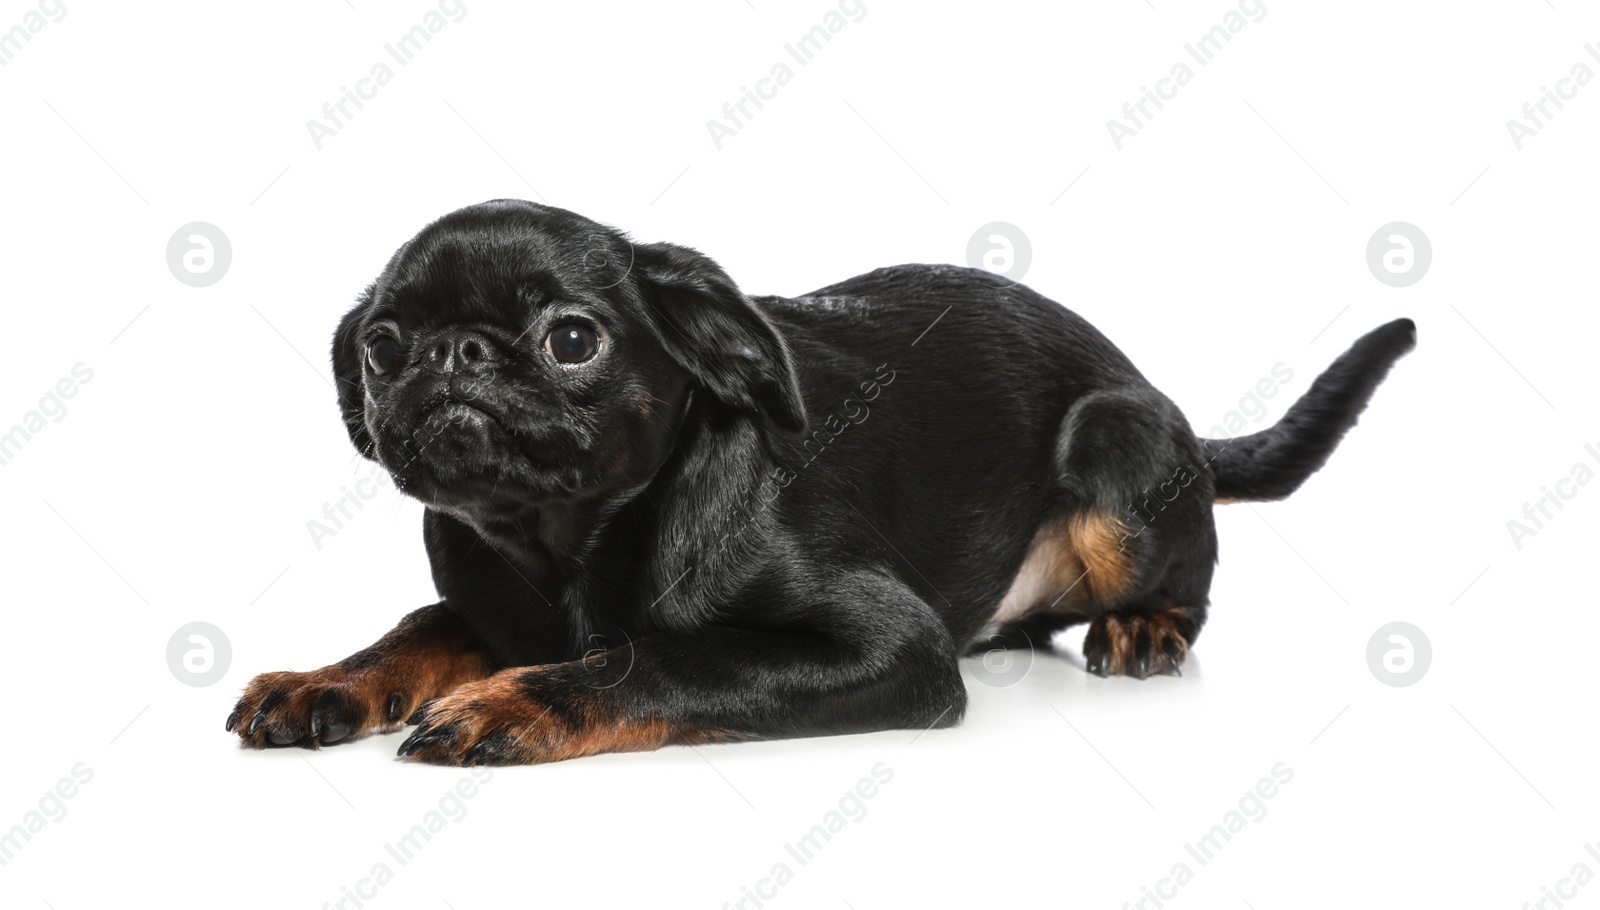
{"x":660,"y":511}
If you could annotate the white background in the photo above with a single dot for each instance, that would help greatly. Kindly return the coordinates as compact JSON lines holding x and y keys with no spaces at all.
{"x":1226,"y":237}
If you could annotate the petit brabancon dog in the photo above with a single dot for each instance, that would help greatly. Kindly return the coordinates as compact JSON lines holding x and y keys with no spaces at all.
{"x":661,"y":511}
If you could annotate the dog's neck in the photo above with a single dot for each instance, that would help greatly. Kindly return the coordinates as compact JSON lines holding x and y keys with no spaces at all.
{"x":536,"y":538}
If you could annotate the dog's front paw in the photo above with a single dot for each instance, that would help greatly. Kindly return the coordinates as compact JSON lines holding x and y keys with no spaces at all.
{"x":317,"y":708}
{"x":494,"y":721}
{"x":522,"y":717}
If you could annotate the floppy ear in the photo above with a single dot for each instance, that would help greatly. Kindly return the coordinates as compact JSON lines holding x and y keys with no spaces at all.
{"x":715,"y":333}
{"x":347,"y":373}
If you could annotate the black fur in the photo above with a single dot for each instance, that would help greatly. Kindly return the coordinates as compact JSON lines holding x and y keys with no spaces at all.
{"x":768,"y":517}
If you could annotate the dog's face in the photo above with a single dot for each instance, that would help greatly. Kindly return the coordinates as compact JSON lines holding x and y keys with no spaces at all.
{"x":513,"y":354}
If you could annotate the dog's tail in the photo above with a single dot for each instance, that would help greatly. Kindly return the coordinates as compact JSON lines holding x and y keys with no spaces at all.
{"x":1273,"y":463}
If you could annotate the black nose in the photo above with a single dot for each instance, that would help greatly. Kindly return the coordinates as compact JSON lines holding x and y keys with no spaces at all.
{"x":464,"y":352}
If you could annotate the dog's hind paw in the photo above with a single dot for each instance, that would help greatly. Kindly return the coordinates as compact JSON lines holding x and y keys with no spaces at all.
{"x":1138,"y":644}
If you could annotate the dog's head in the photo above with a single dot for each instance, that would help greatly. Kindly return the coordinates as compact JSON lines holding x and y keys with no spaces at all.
{"x":518,"y":353}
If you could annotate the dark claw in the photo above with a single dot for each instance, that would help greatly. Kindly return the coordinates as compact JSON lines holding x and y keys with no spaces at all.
{"x":278,"y":739}
{"x":1097,"y":664}
{"x":260,"y":717}
{"x":238,"y":712}
{"x":327,"y":717}
{"x":396,"y":705}
{"x":411,"y":745}
{"x":490,"y":748}
{"x":1144,"y":647}
{"x":425,"y":737}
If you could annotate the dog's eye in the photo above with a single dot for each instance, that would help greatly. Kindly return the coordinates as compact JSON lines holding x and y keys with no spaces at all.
{"x":383,"y":354}
{"x":572,"y":343}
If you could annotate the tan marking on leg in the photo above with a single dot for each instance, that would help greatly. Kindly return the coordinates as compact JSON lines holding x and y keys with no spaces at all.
{"x":1101,"y":544}
{"x":532,"y":715}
